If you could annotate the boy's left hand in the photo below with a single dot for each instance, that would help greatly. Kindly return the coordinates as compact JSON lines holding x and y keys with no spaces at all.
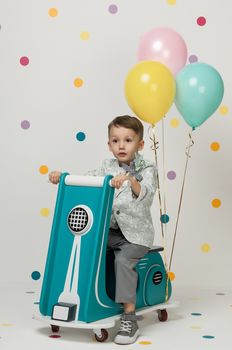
{"x":117,"y":181}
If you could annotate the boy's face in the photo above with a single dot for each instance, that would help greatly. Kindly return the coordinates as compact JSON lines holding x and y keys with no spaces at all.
{"x":124,"y":143}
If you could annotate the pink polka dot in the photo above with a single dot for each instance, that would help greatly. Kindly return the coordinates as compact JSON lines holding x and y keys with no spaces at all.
{"x":24,"y":60}
{"x":201,"y":21}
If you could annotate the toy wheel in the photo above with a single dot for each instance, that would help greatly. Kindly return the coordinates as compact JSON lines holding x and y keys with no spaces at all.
{"x":54,"y":328}
{"x":162,"y":315}
{"x":103,"y":336}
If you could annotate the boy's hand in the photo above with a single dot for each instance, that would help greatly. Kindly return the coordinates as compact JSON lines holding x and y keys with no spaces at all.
{"x":54,"y":177}
{"x":118,"y":180}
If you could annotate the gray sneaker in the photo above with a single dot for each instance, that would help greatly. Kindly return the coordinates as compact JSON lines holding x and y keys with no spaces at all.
{"x":129,"y":330}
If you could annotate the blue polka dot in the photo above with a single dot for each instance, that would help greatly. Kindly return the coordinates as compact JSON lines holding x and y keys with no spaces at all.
{"x":35,"y":275}
{"x":164,"y":218}
{"x":80,"y":136}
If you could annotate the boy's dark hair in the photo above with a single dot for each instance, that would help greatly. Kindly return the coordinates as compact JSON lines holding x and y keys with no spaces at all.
{"x":128,"y":122}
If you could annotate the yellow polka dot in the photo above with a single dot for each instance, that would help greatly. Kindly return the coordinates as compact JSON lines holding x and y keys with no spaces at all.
{"x":171,"y":276}
{"x":53,"y":12}
{"x":145,"y":342}
{"x":84,"y":35}
{"x":45,"y":212}
{"x":215,"y":146}
{"x":171,"y":2}
{"x":223,"y":110}
{"x":6,"y":324}
{"x":216,"y":203}
{"x":175,"y":122}
{"x":43,"y":169}
{"x":205,"y":248}
{"x":78,"y":82}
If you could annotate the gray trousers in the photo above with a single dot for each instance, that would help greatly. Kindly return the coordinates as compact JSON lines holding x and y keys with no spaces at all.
{"x":126,"y":257}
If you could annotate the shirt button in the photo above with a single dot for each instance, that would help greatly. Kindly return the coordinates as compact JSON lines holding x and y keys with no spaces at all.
{"x":117,"y":212}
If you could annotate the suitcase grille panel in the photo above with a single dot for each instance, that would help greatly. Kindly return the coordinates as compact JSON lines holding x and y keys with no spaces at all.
{"x":78,"y":219}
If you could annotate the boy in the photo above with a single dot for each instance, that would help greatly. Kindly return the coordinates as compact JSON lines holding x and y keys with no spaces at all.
{"x":131,"y":230}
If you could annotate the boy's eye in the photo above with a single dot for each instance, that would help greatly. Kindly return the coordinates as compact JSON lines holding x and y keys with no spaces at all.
{"x":128,"y":140}
{"x":114,"y":141}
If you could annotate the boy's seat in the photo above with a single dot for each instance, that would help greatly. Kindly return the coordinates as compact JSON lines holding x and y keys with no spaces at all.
{"x":156,"y":248}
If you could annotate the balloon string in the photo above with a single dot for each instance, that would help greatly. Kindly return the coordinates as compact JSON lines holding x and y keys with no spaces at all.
{"x":165,"y":211}
{"x":155,"y":146}
{"x":164,"y":182}
{"x":191,"y":143}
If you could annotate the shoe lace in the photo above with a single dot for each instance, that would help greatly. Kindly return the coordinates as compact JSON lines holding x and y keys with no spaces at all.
{"x":125,"y":326}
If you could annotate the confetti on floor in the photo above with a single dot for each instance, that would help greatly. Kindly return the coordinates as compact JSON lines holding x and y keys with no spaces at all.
{"x":54,"y":336}
{"x":145,"y":342}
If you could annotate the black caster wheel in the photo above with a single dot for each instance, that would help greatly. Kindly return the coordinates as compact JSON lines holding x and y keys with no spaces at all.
{"x":162,"y":315}
{"x":102,"y":336}
{"x":55,"y":329}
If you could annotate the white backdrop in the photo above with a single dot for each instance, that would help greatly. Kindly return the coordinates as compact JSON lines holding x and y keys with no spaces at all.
{"x":45,"y":46}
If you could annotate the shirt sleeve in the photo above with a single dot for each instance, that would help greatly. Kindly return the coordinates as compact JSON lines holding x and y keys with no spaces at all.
{"x":148,"y":186}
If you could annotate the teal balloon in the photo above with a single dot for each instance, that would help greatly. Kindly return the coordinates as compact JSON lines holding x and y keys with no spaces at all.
{"x":199,"y":92}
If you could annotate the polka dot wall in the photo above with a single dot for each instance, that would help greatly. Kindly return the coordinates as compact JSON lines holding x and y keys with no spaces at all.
{"x":63,"y":72}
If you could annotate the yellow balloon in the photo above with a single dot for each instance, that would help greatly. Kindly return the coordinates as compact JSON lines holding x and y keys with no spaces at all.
{"x":150,"y":90}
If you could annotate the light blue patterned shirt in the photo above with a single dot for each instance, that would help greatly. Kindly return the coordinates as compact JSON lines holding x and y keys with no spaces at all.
{"x":130,"y":213}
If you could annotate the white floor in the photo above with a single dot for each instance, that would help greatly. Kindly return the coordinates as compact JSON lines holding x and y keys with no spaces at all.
{"x":202,"y":321}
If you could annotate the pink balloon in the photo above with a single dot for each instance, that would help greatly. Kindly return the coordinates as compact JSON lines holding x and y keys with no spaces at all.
{"x":164,"y":45}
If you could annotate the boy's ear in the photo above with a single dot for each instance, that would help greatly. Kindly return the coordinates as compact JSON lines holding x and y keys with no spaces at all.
{"x":141,"y":145}
{"x":109,"y":147}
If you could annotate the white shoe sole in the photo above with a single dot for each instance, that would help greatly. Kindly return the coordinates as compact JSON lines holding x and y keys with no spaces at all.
{"x":124,"y":340}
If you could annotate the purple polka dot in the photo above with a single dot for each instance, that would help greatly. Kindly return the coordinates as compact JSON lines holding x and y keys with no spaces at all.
{"x":193,"y":58}
{"x":171,"y":175}
{"x":113,"y":9}
{"x":24,"y":61}
{"x":25,"y":124}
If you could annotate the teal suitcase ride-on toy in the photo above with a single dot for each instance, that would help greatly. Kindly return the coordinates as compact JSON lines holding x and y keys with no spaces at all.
{"x":78,"y":283}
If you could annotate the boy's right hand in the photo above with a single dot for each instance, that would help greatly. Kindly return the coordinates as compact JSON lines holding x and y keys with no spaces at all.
{"x":54,"y":177}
